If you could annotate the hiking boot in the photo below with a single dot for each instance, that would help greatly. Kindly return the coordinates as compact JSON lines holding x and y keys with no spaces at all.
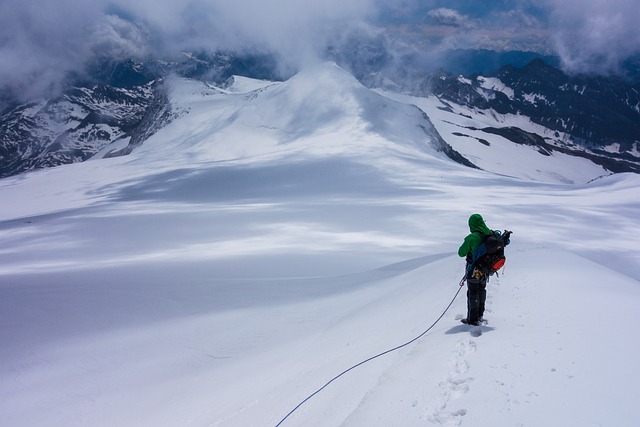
{"x":466,"y":322}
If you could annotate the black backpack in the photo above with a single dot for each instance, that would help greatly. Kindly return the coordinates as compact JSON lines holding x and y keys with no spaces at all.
{"x":489,"y":255}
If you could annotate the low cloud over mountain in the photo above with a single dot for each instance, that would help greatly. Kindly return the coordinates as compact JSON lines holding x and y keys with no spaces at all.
{"x":42,"y":43}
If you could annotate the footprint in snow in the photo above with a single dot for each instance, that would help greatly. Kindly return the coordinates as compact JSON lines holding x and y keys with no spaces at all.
{"x":454,"y":387}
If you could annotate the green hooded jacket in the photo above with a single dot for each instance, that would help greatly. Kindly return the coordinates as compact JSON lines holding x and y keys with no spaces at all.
{"x":473,"y":240}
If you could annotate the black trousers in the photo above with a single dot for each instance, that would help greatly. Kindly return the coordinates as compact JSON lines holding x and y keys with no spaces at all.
{"x":476,"y":297}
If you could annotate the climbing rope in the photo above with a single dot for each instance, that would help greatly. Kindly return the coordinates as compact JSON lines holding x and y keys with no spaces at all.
{"x":374,"y":357}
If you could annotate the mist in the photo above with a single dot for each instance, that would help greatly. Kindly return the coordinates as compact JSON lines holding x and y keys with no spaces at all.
{"x":595,"y":36}
{"x":40,"y":42}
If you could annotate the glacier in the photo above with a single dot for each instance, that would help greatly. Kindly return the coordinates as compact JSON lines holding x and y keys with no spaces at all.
{"x":275,"y":233}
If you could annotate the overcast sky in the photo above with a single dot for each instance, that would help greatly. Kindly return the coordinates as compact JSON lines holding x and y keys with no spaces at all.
{"x":41,"y":40}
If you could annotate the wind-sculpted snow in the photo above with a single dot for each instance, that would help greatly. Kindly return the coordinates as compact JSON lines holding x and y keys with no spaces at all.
{"x":223,"y":271}
{"x":290,"y":118}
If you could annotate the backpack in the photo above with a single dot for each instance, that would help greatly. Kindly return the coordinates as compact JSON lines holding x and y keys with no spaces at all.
{"x":489,"y":255}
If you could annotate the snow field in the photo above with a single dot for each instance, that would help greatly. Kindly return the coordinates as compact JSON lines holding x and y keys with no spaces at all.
{"x":188,"y":286}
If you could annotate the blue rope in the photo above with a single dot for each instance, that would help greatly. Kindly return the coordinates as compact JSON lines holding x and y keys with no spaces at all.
{"x":374,"y":357}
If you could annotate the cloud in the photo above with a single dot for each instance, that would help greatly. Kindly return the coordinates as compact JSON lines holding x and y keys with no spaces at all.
{"x":450,"y":17}
{"x":588,"y":35}
{"x":41,"y":42}
{"x":595,"y":35}
{"x":494,"y":29}
{"x":115,"y":37}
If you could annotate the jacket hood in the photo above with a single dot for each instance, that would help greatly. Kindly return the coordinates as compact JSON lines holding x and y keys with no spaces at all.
{"x":476,"y":223}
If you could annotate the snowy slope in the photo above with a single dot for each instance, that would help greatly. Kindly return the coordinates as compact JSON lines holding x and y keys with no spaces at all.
{"x":461,"y":126}
{"x":319,"y":112}
{"x":276,"y":234}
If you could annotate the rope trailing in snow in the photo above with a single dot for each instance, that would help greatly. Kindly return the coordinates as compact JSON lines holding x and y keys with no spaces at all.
{"x":374,"y":357}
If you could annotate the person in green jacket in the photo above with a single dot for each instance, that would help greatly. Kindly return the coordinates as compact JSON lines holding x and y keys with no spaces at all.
{"x":476,"y":278}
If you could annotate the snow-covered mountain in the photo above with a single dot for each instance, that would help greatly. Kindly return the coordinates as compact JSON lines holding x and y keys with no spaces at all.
{"x":285,"y":118}
{"x":266,"y":236}
{"x":595,"y":119}
{"x":115,"y":104}
{"x":71,"y":128}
